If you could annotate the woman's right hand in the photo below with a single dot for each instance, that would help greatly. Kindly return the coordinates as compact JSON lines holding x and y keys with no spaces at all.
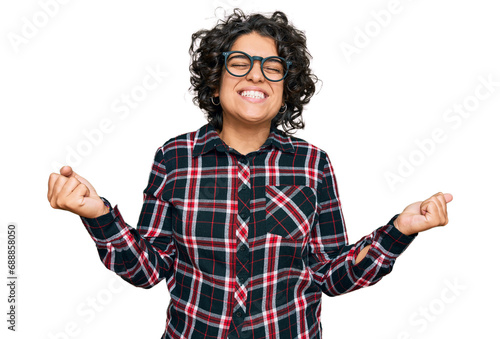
{"x":69,"y":191}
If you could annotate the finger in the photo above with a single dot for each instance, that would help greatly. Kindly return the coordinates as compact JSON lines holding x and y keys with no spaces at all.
{"x":432,"y":216}
{"x":436,"y":211}
{"x":426,"y":208}
{"x":52,"y":180}
{"x":442,"y":200}
{"x":82,"y":190}
{"x":445,"y":199}
{"x":84,"y":181}
{"x":63,"y":198}
{"x":439,"y":199}
{"x":68,"y":172}
{"x":77,"y":197}
{"x":447,"y":196}
{"x":56,"y":189}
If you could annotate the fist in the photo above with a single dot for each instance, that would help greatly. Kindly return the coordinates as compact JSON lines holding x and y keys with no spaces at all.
{"x":423,"y":215}
{"x":69,"y":191}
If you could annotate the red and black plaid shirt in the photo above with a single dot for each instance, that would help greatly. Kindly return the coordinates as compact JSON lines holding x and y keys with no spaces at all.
{"x":246,"y":243}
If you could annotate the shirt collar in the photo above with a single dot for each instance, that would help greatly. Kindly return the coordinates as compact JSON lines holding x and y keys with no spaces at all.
{"x":207,"y":139}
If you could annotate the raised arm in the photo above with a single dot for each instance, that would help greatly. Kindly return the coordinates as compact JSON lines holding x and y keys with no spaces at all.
{"x":142,"y":256}
{"x":338,"y":267}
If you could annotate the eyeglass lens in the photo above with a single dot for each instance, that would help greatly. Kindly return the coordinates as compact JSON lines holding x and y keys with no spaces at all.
{"x":239,"y":64}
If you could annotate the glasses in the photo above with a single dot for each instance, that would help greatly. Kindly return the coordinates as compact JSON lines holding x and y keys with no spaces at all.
{"x":239,"y":64}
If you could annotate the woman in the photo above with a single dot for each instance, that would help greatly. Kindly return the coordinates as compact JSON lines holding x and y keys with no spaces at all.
{"x":242,"y":219}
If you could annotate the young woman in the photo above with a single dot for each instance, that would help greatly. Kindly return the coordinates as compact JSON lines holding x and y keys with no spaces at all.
{"x":242,"y":219}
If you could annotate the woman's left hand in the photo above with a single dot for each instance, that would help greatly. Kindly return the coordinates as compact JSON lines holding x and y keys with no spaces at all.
{"x":423,"y":215}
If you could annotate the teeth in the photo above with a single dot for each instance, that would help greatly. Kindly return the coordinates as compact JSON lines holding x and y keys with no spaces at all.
{"x":253,"y":94}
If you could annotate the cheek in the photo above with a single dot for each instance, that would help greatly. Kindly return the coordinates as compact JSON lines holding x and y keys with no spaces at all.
{"x":226,"y":85}
{"x":223,"y":82}
{"x":278,"y":91}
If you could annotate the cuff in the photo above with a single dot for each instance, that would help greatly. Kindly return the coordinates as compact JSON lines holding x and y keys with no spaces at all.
{"x":106,"y":227}
{"x":391,"y":241}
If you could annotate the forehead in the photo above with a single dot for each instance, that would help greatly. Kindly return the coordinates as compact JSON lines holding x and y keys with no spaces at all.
{"x":255,"y":44}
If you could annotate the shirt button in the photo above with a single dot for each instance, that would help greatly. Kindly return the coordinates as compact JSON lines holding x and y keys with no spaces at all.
{"x":242,"y":249}
{"x":238,"y":314}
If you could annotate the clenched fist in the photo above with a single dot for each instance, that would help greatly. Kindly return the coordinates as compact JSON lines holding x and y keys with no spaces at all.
{"x":423,"y":215}
{"x":69,"y":191}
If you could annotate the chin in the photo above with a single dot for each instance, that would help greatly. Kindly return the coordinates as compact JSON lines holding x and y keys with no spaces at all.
{"x":255,"y":118}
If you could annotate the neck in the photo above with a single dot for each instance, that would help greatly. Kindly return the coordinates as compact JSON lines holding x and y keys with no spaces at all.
{"x":245,"y":139}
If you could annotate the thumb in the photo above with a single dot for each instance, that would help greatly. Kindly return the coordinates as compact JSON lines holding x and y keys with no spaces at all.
{"x":67,"y":171}
{"x":448,"y":197}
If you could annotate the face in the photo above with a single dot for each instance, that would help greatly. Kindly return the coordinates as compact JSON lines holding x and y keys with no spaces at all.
{"x":241,"y":107}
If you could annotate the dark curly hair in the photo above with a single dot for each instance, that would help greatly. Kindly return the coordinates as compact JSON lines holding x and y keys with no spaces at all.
{"x":207,"y":64}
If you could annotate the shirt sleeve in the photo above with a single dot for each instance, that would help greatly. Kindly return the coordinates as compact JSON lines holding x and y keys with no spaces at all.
{"x":142,"y":256}
{"x":332,"y":260}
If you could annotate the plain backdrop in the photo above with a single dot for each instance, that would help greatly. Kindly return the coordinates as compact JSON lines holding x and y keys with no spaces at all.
{"x":395,"y":75}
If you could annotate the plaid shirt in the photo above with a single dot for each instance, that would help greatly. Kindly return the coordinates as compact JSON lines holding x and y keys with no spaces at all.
{"x":246,"y":243}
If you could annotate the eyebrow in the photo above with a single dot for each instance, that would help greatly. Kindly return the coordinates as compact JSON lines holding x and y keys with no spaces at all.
{"x":278,"y":61}
{"x":272,"y":58}
{"x":233,"y":56}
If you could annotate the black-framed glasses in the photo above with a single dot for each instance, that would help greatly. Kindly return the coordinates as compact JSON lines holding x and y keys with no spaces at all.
{"x":239,"y":64}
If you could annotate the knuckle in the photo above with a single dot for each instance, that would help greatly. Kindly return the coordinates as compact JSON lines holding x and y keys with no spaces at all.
{"x":82,"y":188}
{"x":78,"y":188}
{"x":54,"y":203}
{"x":61,"y":202}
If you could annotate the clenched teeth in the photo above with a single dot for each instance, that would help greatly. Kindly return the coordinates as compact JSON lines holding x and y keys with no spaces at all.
{"x":253,"y":94}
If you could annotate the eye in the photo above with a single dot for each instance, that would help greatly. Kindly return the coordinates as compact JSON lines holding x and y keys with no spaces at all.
{"x":273,"y":66}
{"x":273,"y":70}
{"x":239,"y":64}
{"x":239,"y":61}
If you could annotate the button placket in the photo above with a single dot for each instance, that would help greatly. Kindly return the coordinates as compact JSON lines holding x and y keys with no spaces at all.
{"x":242,"y":254}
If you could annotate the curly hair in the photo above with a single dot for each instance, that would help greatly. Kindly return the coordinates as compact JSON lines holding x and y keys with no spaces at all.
{"x":207,"y":64}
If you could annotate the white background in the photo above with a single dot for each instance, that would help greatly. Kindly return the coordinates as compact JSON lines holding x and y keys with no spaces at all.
{"x":373,"y":108}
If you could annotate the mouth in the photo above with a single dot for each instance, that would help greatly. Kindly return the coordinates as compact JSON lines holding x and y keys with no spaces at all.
{"x":253,"y":95}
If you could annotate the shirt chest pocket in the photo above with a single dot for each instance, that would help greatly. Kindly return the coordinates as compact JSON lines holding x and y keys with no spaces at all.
{"x":290,"y":210}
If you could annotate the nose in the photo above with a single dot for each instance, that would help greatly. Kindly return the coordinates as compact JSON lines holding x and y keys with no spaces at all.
{"x":255,"y":73}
